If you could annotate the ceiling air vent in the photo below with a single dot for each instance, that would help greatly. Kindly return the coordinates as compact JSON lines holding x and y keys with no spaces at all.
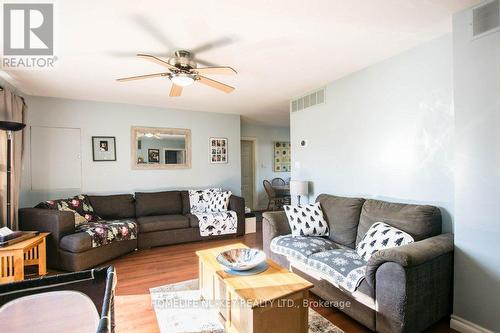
{"x":311,"y":99}
{"x":485,"y":18}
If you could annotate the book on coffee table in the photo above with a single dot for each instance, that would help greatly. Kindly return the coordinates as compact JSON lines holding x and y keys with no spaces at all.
{"x":9,"y":237}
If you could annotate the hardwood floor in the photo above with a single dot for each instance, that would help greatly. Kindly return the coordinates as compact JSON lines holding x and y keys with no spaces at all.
{"x":141,"y":270}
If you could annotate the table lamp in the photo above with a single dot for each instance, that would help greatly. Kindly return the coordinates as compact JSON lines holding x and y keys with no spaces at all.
{"x":298,"y":188}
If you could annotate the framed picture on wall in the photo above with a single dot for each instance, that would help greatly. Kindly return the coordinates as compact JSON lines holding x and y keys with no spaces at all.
{"x":153,"y":155}
{"x":282,"y":161}
{"x":103,"y":148}
{"x":218,"y":150}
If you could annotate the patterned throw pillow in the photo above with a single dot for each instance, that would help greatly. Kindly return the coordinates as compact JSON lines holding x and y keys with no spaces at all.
{"x":306,"y":220}
{"x":78,"y":218}
{"x":199,"y":199}
{"x":219,"y":201}
{"x":80,"y":204}
{"x":381,"y":236}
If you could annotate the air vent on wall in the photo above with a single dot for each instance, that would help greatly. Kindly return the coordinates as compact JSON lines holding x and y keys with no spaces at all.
{"x":485,"y":18}
{"x":311,"y":99}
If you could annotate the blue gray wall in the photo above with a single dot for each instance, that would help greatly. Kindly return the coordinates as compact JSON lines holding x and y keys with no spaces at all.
{"x":112,"y":119}
{"x":477,"y":175}
{"x":384,"y":132}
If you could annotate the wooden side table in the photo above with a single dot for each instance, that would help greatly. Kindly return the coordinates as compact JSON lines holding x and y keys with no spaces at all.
{"x":13,"y":258}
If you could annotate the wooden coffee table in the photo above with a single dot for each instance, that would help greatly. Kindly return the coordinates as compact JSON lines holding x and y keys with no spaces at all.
{"x":14,"y":258}
{"x":271,"y":301}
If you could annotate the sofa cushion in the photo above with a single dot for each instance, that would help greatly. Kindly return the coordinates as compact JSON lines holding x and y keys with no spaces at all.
{"x":113,"y":207}
{"x":420,"y":221}
{"x":162,"y":222}
{"x":158,"y":203}
{"x":78,"y":242}
{"x":307,"y":220}
{"x":342,"y":215}
{"x":105,"y":232}
{"x":341,"y":267}
{"x":381,"y":236}
{"x":300,"y":248}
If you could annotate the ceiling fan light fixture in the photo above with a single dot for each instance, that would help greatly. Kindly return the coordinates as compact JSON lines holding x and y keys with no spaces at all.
{"x":182,"y":79}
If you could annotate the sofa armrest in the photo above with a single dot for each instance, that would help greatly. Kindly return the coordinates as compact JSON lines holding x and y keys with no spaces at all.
{"x":413,"y":284}
{"x":273,"y":224}
{"x":237,"y":204}
{"x":410,"y":255}
{"x":58,"y":223}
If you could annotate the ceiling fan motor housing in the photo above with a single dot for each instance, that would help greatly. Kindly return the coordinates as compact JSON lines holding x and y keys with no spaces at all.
{"x":183,"y":60}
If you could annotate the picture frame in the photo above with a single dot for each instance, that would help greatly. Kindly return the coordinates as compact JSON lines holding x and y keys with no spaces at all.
{"x":282,"y":159}
{"x":218,"y":150}
{"x":104,"y":148}
{"x":154,"y":155}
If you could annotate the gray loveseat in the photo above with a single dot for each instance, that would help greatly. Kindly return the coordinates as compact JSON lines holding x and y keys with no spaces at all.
{"x":405,"y":289}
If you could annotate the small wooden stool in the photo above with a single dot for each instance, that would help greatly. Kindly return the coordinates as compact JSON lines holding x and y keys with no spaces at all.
{"x":14,"y":257}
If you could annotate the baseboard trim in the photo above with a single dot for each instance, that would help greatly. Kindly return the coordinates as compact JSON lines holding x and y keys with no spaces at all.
{"x":464,"y":326}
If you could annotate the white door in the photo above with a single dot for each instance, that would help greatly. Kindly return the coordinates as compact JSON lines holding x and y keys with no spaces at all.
{"x":247,"y":172}
{"x":55,"y":158}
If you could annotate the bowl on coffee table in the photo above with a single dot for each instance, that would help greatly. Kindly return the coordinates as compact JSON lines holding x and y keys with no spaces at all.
{"x":241,"y":259}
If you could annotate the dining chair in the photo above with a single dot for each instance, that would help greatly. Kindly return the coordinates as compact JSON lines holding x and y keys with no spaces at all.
{"x":278,"y":182}
{"x":271,"y":196}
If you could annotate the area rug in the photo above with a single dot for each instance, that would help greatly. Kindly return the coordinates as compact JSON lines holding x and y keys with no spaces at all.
{"x":180,"y":309}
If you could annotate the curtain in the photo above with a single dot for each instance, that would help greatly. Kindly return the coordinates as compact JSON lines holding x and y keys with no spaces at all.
{"x":12,"y":108}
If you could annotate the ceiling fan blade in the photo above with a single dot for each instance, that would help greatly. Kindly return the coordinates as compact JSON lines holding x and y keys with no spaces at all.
{"x":140,"y":77}
{"x":153,"y":30}
{"x":215,"y":84}
{"x":213,"y":44}
{"x":157,"y":60}
{"x":175,"y":91}
{"x":224,"y":70}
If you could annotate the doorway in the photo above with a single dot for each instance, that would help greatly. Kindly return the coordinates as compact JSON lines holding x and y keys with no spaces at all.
{"x":248,"y":172}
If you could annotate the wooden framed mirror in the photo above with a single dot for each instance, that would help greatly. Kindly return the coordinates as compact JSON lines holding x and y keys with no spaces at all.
{"x":161,"y":148}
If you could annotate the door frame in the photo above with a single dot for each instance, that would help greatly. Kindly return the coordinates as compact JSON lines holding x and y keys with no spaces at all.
{"x":255,"y":203}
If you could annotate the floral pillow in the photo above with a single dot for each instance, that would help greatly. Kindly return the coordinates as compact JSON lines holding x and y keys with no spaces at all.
{"x":78,"y":218}
{"x":80,"y":204}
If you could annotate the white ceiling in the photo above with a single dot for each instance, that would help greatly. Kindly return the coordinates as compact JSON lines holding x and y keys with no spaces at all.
{"x":280,"y":48}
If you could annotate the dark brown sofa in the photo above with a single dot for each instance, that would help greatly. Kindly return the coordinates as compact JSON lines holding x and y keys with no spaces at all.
{"x":162,"y":218}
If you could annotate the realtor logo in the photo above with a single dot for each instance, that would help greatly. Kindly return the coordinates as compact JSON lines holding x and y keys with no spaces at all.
{"x":28,"y":29}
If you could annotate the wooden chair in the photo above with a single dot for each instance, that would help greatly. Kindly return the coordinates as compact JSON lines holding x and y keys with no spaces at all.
{"x":272,"y":198}
{"x":278,"y":182}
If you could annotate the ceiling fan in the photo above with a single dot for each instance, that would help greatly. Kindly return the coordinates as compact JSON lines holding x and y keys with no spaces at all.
{"x":182,"y":70}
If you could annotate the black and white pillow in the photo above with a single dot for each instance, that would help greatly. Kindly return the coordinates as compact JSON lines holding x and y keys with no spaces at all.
{"x":381,"y":236}
{"x":199,"y":199}
{"x":306,"y":220}
{"x":219,"y":201}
